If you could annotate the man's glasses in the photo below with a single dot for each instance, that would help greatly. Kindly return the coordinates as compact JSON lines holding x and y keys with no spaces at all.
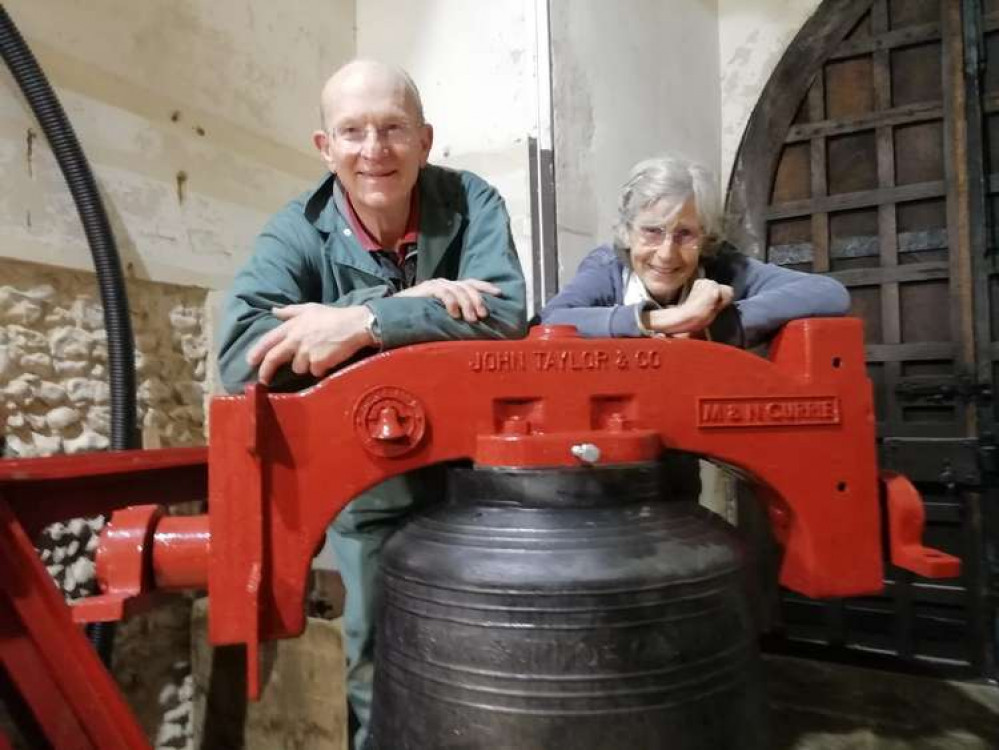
{"x":392,"y":134}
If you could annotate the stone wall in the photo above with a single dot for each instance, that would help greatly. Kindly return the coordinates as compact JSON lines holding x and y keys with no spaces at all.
{"x":53,"y":361}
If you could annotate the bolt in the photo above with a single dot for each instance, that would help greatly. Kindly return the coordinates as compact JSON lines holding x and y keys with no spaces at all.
{"x":947,"y":475}
{"x":588,"y":453}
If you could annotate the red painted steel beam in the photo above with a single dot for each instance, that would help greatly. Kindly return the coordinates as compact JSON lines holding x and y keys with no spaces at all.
{"x":41,"y":491}
{"x":36,"y":684}
{"x":75,"y":700}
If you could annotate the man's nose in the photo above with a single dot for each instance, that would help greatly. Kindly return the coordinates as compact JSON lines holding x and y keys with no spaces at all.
{"x":374,"y":141}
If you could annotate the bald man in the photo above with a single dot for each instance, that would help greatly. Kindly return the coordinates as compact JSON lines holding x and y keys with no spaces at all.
{"x":387,"y":250}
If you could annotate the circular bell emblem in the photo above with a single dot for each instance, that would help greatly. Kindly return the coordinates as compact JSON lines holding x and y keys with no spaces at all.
{"x":390,"y":422}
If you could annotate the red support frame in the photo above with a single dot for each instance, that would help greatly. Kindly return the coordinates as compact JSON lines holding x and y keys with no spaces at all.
{"x":800,"y":424}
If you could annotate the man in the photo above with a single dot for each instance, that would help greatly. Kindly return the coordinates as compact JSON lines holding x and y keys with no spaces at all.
{"x":386,"y":251}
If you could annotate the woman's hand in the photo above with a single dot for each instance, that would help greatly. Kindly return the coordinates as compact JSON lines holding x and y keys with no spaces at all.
{"x":707,"y":298}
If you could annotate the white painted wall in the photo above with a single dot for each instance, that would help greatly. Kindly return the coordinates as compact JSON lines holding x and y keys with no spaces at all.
{"x":753,"y":36}
{"x":632,"y":79}
{"x":640,"y":77}
{"x":222,"y":92}
{"x":475,"y":66}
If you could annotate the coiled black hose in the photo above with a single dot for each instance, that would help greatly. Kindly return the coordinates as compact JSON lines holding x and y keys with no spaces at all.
{"x":111,"y":282}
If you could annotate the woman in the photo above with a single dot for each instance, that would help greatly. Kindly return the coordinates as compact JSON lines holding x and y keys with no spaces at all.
{"x":670,"y":273}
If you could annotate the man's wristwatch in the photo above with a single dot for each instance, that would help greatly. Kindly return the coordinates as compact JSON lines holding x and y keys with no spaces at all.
{"x":372,"y":328}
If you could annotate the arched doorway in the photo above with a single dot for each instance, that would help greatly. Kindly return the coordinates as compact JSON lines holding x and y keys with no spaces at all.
{"x":867,"y":159}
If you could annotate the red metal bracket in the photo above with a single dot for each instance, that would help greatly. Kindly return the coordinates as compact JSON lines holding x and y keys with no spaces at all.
{"x":44,"y":490}
{"x":141,"y":554}
{"x":906,"y":518}
{"x":801,"y":424}
{"x":123,"y":562}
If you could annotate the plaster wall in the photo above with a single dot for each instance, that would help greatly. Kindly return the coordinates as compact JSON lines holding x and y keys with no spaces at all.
{"x":475,"y":66}
{"x":196,"y":118}
{"x":752,"y":37}
{"x":631,"y":79}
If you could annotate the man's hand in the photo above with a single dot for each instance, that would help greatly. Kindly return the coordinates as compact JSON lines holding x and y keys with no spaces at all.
{"x":314,"y":338}
{"x":707,"y":298}
{"x":462,"y":298}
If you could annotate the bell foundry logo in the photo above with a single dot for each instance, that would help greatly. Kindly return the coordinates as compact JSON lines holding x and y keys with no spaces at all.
{"x":777,"y":411}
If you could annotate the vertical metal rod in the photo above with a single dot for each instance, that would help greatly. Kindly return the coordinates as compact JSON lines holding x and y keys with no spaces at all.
{"x":543,"y":187}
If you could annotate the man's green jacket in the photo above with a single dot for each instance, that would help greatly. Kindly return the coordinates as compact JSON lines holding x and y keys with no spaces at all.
{"x":308,"y":253}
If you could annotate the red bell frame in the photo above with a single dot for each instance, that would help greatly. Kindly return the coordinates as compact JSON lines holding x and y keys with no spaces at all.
{"x":279,"y":467}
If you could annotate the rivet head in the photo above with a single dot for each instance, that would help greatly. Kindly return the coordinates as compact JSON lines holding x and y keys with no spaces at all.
{"x":587,"y":453}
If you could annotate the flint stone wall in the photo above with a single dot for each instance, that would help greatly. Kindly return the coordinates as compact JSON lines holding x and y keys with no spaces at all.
{"x":54,"y":387}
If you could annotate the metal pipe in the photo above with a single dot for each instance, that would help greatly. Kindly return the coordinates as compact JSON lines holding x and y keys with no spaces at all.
{"x":180,"y":553}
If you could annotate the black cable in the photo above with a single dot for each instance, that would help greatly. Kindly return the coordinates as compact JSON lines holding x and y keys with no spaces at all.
{"x":80,"y":180}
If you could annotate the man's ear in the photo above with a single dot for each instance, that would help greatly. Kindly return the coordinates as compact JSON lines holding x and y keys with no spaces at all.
{"x":321,"y":141}
{"x":426,"y":142}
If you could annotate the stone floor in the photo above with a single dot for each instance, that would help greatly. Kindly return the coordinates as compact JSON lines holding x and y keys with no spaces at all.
{"x":818,"y":706}
{"x":815,"y":705}
{"x":302,"y":704}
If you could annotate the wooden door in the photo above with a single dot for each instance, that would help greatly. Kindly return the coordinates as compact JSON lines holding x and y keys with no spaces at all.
{"x":865,"y":160}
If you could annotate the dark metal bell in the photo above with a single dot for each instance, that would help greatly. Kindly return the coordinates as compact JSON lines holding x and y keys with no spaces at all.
{"x":578,"y":609}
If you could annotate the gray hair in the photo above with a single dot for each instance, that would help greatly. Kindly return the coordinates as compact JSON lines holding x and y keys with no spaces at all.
{"x":674,"y":180}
